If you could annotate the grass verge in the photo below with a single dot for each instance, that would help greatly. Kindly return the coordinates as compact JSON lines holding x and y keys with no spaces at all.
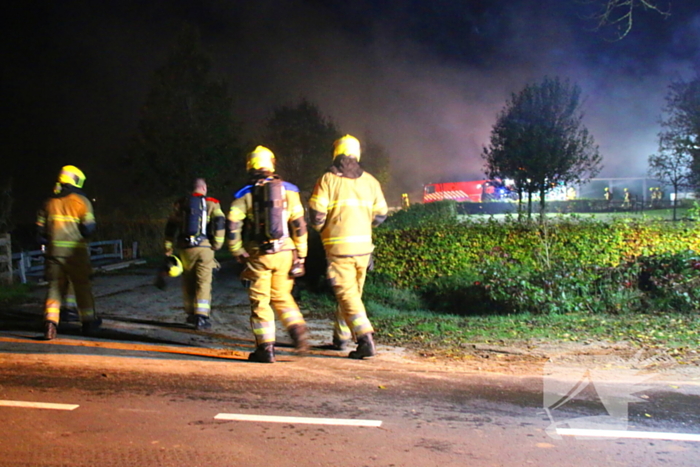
{"x":447,"y":334}
{"x":432,"y":334}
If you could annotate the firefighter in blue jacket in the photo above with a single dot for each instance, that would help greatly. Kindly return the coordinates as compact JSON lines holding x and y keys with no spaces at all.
{"x":196,"y":227}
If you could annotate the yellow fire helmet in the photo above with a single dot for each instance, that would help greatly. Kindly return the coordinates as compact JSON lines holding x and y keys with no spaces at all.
{"x":261,"y":159}
{"x":175,"y":266}
{"x":348,"y":146}
{"x":71,"y":175}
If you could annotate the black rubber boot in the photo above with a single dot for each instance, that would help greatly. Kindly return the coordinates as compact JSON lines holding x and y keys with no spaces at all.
{"x":50,"y":330}
{"x":69,"y":314}
{"x":91,"y":327}
{"x":264,"y":353}
{"x":340,"y":344}
{"x":191,"y":319}
{"x":365,"y":347}
{"x":203,"y":323}
{"x":300,"y":337}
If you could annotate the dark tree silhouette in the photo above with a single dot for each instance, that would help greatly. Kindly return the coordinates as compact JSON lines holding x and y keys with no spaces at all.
{"x":302,"y":139}
{"x":539,"y":140}
{"x":678,"y":160}
{"x":187,"y":128}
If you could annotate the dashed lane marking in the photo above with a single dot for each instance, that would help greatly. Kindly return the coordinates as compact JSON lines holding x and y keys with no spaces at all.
{"x":627,"y":434}
{"x":38,"y":405}
{"x":313,"y":421}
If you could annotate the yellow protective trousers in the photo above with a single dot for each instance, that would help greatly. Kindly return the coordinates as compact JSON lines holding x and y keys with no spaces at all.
{"x":347,"y":277}
{"x":69,"y":300}
{"x":270,"y":289}
{"x":62,"y":272}
{"x":197,"y":269}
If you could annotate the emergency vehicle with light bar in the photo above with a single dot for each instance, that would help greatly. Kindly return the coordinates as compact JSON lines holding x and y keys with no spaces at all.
{"x":476,"y":191}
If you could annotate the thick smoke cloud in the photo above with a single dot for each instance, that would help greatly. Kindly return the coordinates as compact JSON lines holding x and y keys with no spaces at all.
{"x":433,"y":110}
{"x":426,"y":79}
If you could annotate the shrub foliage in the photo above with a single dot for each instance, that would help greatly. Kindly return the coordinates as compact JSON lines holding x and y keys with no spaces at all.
{"x":566,"y":265}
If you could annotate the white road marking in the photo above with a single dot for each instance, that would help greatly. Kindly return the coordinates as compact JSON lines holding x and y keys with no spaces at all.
{"x":312,"y":421}
{"x":38,"y":405}
{"x":628,"y":434}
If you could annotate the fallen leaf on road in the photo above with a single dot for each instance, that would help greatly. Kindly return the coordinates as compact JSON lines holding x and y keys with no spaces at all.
{"x":544,"y":445}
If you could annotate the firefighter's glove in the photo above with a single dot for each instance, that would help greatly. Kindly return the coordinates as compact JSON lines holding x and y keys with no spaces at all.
{"x":42,"y":241}
{"x":243,"y":257}
{"x":162,"y":274}
{"x":160,"y":281}
{"x":298,"y":269}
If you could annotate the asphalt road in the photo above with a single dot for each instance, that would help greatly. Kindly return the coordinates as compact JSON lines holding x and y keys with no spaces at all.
{"x":152,"y":392}
{"x":154,"y":411}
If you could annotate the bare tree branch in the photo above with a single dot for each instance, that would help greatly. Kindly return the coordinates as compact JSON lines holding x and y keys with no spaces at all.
{"x":619,"y":14}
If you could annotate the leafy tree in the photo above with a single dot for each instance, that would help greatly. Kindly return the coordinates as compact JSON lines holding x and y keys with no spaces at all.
{"x":619,"y":14}
{"x":302,"y":139}
{"x":678,"y":161}
{"x":539,"y":140}
{"x":681,"y":127}
{"x":187,"y":128}
{"x":504,"y":163}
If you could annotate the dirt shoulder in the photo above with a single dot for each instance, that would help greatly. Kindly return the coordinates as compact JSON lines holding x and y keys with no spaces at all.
{"x":136,"y":312}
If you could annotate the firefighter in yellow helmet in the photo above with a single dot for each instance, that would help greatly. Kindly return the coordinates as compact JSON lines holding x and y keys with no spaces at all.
{"x":65,"y":222}
{"x":346,"y":203}
{"x":267,"y":232}
{"x":196,"y":227}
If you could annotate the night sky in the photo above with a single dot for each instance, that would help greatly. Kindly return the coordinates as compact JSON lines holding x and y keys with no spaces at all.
{"x":426,"y":78}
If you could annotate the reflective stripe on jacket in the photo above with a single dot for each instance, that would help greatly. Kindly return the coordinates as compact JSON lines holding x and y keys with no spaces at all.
{"x":344,"y":209}
{"x":65,"y":221}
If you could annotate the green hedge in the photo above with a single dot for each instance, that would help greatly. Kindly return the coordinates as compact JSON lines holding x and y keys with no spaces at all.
{"x":556,"y":267}
{"x":422,"y":214}
{"x":416,"y":256}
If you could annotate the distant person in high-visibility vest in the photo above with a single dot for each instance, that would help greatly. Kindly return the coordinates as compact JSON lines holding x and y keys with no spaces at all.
{"x":64,"y":224}
{"x":405,"y":201}
{"x":347,"y":202}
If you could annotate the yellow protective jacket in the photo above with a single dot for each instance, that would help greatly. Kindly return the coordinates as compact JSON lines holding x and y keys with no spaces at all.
{"x":65,"y":221}
{"x":346,"y":203}
{"x":240,"y":223}
{"x":215,"y":225}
